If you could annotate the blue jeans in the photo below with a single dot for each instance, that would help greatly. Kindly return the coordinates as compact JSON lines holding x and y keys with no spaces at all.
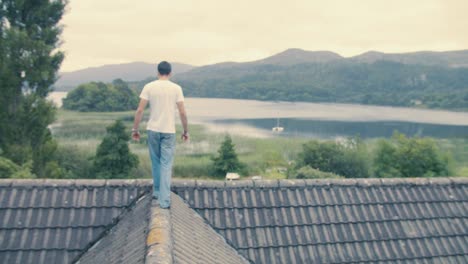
{"x":161,"y":148}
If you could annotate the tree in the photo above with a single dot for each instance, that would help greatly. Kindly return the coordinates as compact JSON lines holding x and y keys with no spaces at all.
{"x":348,"y":159}
{"x":29,"y":61}
{"x":9,"y":169}
{"x":343,"y":81}
{"x":410,"y":157}
{"x":227,"y":160}
{"x":101,"y":97}
{"x":113,"y":157}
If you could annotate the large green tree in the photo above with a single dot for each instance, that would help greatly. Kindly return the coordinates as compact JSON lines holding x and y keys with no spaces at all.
{"x":29,"y":61}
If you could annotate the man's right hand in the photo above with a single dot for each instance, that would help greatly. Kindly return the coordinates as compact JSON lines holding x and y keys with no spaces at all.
{"x":136,"y":136}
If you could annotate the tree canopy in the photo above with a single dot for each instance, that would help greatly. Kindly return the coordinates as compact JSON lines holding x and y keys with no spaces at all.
{"x":113,"y":157}
{"x":379,"y":83}
{"x":227,"y":160}
{"x":409,"y":157}
{"x":101,"y":97}
{"x":29,"y":61}
{"x":348,"y":158}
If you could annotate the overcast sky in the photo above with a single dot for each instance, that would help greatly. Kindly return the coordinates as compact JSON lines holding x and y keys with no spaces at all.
{"x":201,"y":32}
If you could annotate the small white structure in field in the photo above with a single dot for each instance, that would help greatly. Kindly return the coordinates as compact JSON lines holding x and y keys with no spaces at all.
{"x":256,"y":177}
{"x":232,"y":176}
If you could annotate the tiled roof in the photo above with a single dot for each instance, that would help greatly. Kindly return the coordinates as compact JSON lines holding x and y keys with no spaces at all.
{"x":125,"y":242}
{"x":53,"y":221}
{"x":337,"y":221}
{"x":281,"y":221}
{"x":101,"y":221}
{"x":195,"y":242}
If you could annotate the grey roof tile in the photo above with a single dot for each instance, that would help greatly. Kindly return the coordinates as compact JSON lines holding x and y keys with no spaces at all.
{"x":338,"y":221}
{"x":124,"y":242}
{"x":194,"y":241}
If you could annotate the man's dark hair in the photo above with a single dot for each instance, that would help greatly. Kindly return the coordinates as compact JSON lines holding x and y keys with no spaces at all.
{"x":164,"y":68}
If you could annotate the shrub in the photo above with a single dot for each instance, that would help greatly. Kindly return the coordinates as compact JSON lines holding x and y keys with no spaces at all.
{"x":75,"y":162}
{"x":9,"y":169}
{"x":113,"y":157}
{"x":227,"y":160}
{"x":410,"y":157}
{"x":349,"y":158}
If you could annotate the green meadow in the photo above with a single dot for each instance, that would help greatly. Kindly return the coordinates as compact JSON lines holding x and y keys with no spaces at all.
{"x":82,"y":133}
{"x":78,"y":135}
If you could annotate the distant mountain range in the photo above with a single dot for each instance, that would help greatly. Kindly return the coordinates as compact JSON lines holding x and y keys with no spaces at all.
{"x":443,"y":58}
{"x":138,"y":71}
{"x":298,"y":56}
{"x":135,"y":71}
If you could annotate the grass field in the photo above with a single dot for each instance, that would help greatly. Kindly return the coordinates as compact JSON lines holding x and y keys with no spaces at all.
{"x":83,"y":132}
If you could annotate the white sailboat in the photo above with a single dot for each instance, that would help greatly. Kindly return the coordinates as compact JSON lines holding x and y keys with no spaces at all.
{"x":277,"y":128}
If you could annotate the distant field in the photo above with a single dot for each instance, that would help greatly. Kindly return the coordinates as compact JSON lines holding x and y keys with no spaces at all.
{"x":84,"y":131}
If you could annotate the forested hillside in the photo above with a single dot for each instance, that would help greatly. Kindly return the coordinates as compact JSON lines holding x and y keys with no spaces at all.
{"x":342,"y":81}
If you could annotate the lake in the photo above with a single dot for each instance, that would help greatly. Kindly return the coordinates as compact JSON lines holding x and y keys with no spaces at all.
{"x":322,"y":120}
{"x":332,"y":129}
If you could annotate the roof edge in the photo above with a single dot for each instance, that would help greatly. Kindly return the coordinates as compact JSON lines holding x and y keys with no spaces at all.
{"x":287,"y":183}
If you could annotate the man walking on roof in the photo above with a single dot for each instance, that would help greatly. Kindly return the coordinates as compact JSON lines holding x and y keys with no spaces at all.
{"x":164,"y":96}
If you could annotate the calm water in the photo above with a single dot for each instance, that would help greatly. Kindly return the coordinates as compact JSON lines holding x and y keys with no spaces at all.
{"x":256,"y":118}
{"x":332,"y":129}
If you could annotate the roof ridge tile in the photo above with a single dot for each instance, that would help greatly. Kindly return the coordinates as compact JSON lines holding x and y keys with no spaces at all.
{"x":266,"y":183}
{"x":184,"y":182}
{"x":463,"y":180}
{"x":291,"y":183}
{"x":210,"y":184}
{"x":239,"y":183}
{"x":159,"y":240}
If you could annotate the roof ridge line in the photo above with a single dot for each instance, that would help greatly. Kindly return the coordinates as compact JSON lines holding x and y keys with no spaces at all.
{"x":62,"y":207}
{"x":442,"y":255}
{"x":73,"y":182}
{"x":52,"y":227}
{"x":350,"y":241}
{"x":370,"y":221}
{"x":327,"y":204}
{"x":39,"y":249}
{"x":281,"y":183}
{"x":104,"y":233}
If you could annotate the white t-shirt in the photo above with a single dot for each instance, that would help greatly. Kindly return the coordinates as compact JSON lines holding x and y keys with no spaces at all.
{"x":162,"y":96}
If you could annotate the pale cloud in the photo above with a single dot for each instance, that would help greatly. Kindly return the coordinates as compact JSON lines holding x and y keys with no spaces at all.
{"x":201,"y":32}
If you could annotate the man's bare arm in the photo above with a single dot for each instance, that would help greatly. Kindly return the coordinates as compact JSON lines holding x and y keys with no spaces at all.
{"x":183,"y":117}
{"x":138,"y":116}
